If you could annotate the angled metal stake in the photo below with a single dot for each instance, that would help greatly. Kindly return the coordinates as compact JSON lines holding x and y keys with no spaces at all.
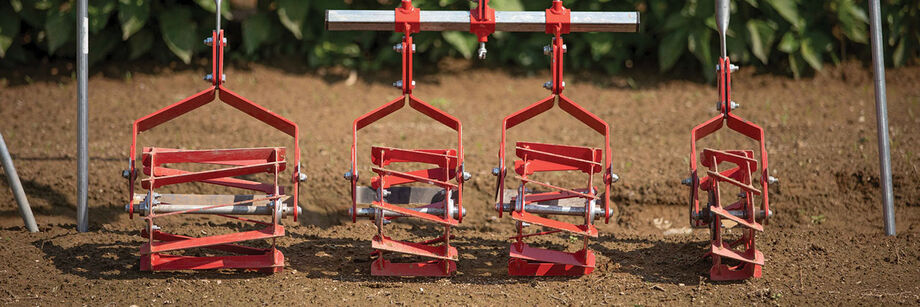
{"x":24,"y":210}
{"x":881,"y":110}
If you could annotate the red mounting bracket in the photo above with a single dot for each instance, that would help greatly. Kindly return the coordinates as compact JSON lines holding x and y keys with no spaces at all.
{"x":558,"y":18}
{"x":482,"y":21}
{"x":407,"y":18}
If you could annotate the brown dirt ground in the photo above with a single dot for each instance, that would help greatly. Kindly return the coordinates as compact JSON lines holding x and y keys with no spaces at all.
{"x":823,"y":247}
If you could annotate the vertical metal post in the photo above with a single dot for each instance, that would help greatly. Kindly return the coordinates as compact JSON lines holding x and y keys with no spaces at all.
{"x":82,"y":117}
{"x":723,"y":13}
{"x":881,"y":110}
{"x":24,"y":209}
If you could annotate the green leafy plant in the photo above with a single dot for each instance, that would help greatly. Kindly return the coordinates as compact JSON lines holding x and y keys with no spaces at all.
{"x":797,"y":35}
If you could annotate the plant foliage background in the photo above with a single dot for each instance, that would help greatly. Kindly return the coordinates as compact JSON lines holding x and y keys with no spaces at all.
{"x":794,"y":36}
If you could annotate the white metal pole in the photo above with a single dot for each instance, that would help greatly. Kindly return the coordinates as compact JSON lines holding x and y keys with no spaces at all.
{"x":881,"y":110}
{"x":82,"y":117}
{"x":24,"y":209}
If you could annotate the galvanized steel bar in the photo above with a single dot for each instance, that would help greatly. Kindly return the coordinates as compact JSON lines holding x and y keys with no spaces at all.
{"x":82,"y":117}
{"x":556,"y":210}
{"x":508,"y":21}
{"x":227,"y":210}
{"x":369,"y":212}
{"x":18,"y":193}
{"x":881,"y":110}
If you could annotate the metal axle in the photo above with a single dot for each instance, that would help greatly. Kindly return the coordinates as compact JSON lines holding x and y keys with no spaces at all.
{"x":231,"y":210}
{"x":369,"y":212}
{"x":557,"y":210}
{"x":706,"y":215}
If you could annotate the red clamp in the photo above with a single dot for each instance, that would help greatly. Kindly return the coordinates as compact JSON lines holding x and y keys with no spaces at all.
{"x":558,"y":16}
{"x":482,"y":21}
{"x":407,"y":18}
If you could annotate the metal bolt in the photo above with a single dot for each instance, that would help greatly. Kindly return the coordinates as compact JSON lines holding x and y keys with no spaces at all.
{"x":565,"y":48}
{"x":348,"y":175}
{"x":733,"y":67}
{"x":772,"y":180}
{"x":413,"y":48}
{"x":398,"y":48}
{"x":302,"y":177}
{"x":208,"y":77}
{"x":482,"y":51}
{"x":209,"y":41}
{"x":224,"y":41}
{"x":687,"y":182}
{"x":496,"y":171}
{"x":223,"y":77}
{"x":386,"y":193}
{"x":467,"y":176}
{"x":126,"y":174}
{"x":614,"y":177}
{"x":733,"y":104}
{"x":547,"y":50}
{"x":548,"y":85}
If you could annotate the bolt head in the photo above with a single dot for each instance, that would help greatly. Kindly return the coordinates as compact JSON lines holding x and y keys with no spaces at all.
{"x":209,"y":41}
{"x":398,"y":84}
{"x":467,"y":176}
{"x":398,"y":48}
{"x":208,"y":77}
{"x":687,"y":181}
{"x":548,"y":85}
{"x":126,"y":174}
{"x":302,"y":177}
{"x":496,"y":171}
{"x":547,"y":50}
{"x":772,"y":180}
{"x":348,"y":175}
{"x":614,"y":177}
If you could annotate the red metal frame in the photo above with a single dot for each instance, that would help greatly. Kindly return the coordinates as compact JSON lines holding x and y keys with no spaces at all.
{"x":448,"y":166}
{"x":740,"y":176}
{"x":482,"y":21}
{"x":238,"y":161}
{"x":536,"y":157}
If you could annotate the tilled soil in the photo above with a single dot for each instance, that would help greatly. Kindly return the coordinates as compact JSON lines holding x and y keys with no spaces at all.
{"x":824,"y":246}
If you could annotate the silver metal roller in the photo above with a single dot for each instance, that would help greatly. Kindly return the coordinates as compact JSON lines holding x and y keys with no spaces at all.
{"x":369,"y":212}
{"x":557,"y":210}
{"x":166,"y":203}
{"x":230,"y":210}
{"x":706,"y":217}
{"x":508,"y":21}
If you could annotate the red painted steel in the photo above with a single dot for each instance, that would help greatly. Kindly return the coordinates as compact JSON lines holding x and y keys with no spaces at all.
{"x":748,"y":261}
{"x":482,"y":21}
{"x":447,"y":165}
{"x":537,"y":157}
{"x":235,"y":162}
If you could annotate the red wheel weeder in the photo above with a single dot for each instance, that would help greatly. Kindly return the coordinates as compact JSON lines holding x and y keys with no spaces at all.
{"x":740,"y":173}
{"x":442,"y":204}
{"x":269,"y":199}
{"x":525,"y":205}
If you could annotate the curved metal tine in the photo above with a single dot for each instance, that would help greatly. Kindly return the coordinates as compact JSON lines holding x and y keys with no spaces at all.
{"x":529,"y":112}
{"x":175,"y":110}
{"x":744,"y":127}
{"x":379,"y":113}
{"x":434,"y":113}
{"x":582,"y":115}
{"x":258,"y":112}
